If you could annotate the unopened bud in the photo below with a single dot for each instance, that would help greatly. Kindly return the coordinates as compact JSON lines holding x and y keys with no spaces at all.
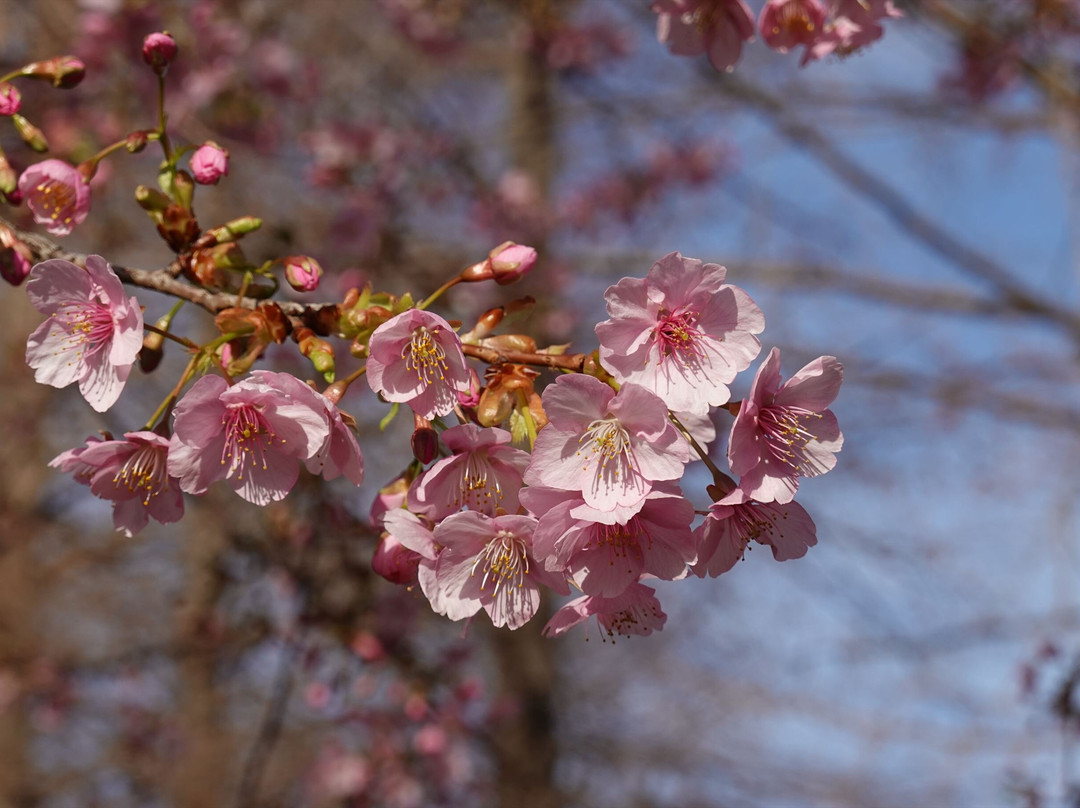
{"x":158,"y":51}
{"x":31,"y":135}
{"x":136,"y":141}
{"x":512,"y":261}
{"x":302,"y":273}
{"x":425,"y":441}
{"x":230,"y":231}
{"x":178,"y":227}
{"x":9,"y":180}
{"x":10,"y":99}
{"x":472,"y":397}
{"x":64,"y":72}
{"x":151,"y":199}
{"x":485,"y":324}
{"x":209,"y":163}
{"x":153,"y":349}
{"x":15,"y":257}
{"x":183,"y":188}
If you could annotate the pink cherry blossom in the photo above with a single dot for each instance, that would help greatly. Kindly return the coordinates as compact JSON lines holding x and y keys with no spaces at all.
{"x":483,"y":474}
{"x":853,"y":24}
{"x":635,"y":611}
{"x":132,"y":473}
{"x":784,"y":432}
{"x":339,"y":456}
{"x":609,"y":446}
{"x":416,"y":358}
{"x":487,"y":563}
{"x":93,"y":333}
{"x":681,"y":332}
{"x":410,"y":542}
{"x":57,"y":194}
{"x":395,"y":562}
{"x":784,"y":24}
{"x":716,"y":27}
{"x":253,"y":434}
{"x":605,"y":558}
{"x":10,"y":99}
{"x":302,"y":273}
{"x":736,"y":520}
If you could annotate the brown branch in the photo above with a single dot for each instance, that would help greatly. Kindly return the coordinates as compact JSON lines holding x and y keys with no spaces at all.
{"x":571,"y":362}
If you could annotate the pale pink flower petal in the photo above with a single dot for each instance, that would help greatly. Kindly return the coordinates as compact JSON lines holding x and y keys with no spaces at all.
{"x":680,"y":332}
{"x":785,"y":432}
{"x":635,"y":612}
{"x":93,"y":333}
{"x":57,"y":194}
{"x":415,"y":358}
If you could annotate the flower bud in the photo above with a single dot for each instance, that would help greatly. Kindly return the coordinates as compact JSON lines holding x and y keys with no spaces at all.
{"x":230,"y":231}
{"x":64,"y":72}
{"x":302,"y":273}
{"x":151,"y":199}
{"x":178,"y":227}
{"x":31,"y":135}
{"x":158,"y":51}
{"x":512,"y":261}
{"x":9,"y":180}
{"x":15,"y":257}
{"x":136,"y":141}
{"x":425,"y":440}
{"x":183,"y":189}
{"x":10,"y":99}
{"x":209,"y":163}
{"x":395,"y":562}
{"x":471,"y":398}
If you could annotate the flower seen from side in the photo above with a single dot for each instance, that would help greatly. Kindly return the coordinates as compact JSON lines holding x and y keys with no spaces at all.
{"x":635,"y":612}
{"x":786,"y":431}
{"x":132,"y":473}
{"x":93,"y":333}
{"x":715,"y":27}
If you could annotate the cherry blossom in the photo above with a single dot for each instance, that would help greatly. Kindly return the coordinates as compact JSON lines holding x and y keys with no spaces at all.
{"x":680,"y":332}
{"x":132,"y":473}
{"x":416,"y":358}
{"x":484,"y":474}
{"x":57,"y":194}
{"x":609,"y":446}
{"x":853,"y":24}
{"x":487,"y":563}
{"x":736,"y":520}
{"x":93,"y":333}
{"x":605,"y":558}
{"x":784,"y":24}
{"x":715,"y":27}
{"x":209,"y":163}
{"x":634,"y":612}
{"x":784,"y":432}
{"x":253,"y":434}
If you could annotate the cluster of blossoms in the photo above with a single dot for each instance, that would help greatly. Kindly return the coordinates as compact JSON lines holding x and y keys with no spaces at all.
{"x":577,"y":486}
{"x":718,"y":28}
{"x":597,"y":504}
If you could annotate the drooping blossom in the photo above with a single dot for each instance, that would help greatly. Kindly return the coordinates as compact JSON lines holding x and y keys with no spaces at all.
{"x":605,"y":557}
{"x":57,"y":194}
{"x":852,"y":24}
{"x":10,"y":99}
{"x":609,"y":446}
{"x":253,"y":434}
{"x":394,"y":561}
{"x":736,"y":520}
{"x":487,"y":563}
{"x":680,"y":332}
{"x":410,"y":545}
{"x":93,"y":332}
{"x":132,"y":473}
{"x":415,"y":358}
{"x":784,"y":432}
{"x":635,"y":612}
{"x":209,"y":163}
{"x":784,"y":24}
{"x":339,"y":456}
{"x":483,"y":474}
{"x":715,"y":27}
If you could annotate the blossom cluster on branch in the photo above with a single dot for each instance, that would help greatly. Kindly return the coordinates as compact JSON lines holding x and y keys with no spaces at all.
{"x":576,"y":484}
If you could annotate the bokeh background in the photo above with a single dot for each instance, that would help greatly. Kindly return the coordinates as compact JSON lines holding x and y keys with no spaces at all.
{"x":912,"y":210}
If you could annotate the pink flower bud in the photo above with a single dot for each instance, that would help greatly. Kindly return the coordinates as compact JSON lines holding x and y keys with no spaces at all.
{"x":64,"y":72}
{"x":425,"y":441}
{"x":302,"y":273}
{"x":158,"y":51}
{"x":209,"y":163}
{"x":513,"y":261}
{"x":13,"y":265}
{"x":10,"y":99}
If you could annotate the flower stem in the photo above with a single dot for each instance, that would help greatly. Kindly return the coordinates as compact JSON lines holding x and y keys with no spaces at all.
{"x":438,"y":292}
{"x":166,"y":145}
{"x":169,"y":399}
